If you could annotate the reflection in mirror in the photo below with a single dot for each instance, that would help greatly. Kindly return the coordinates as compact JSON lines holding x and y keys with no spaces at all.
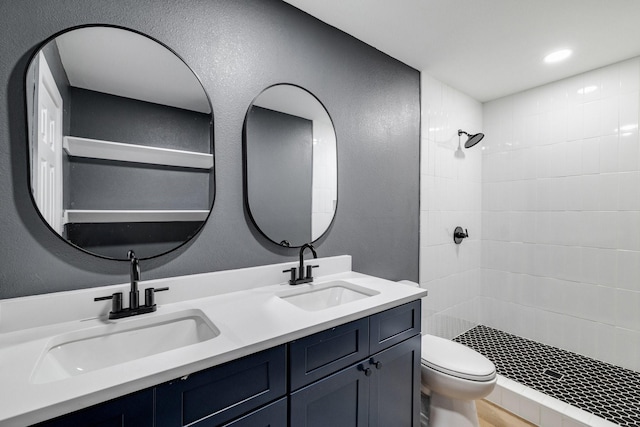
{"x":291,"y":180}
{"x":120,"y":142}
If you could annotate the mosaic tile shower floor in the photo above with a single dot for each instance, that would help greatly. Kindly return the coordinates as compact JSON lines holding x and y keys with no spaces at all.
{"x":605,"y":390}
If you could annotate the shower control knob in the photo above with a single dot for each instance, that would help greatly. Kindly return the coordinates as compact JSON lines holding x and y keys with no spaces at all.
{"x":458,"y":235}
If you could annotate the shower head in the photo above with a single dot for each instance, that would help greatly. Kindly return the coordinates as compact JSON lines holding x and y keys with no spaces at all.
{"x":471,"y":139}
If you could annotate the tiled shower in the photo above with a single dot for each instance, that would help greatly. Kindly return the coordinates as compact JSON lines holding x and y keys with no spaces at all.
{"x":450,"y":196}
{"x":561,"y":215}
{"x":552,"y":204}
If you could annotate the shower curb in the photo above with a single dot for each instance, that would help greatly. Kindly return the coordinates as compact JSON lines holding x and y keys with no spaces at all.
{"x":540,"y":409}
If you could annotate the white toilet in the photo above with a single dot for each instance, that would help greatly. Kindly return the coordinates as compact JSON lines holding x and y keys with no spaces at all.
{"x":454,"y":376}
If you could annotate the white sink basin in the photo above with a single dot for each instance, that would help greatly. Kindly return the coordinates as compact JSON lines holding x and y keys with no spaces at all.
{"x":326,"y":295}
{"x":87,"y":350}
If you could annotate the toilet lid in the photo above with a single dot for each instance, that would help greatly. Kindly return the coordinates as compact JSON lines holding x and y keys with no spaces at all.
{"x":456,"y":359}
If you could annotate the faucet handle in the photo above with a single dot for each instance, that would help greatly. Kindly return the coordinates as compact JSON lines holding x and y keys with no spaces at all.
{"x":309,"y":268}
{"x":149,"y":298}
{"x":293,"y":271}
{"x":116,"y":303}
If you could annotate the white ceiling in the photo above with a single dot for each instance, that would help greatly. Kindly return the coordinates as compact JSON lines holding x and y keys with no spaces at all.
{"x":490,"y":48}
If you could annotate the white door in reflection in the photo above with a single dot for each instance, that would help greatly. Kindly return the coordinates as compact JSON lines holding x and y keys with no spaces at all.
{"x":48,"y":165}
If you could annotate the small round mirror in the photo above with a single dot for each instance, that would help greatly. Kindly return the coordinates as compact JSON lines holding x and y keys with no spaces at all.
{"x":290,"y":170}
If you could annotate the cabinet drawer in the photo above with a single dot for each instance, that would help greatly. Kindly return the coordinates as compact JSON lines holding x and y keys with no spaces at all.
{"x":273,"y":415}
{"x":393,"y":326}
{"x":222,"y":393}
{"x":134,"y":410}
{"x":324,"y":353}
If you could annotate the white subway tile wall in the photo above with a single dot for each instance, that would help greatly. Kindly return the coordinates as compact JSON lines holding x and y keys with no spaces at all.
{"x":451,"y":188}
{"x":560,"y":243}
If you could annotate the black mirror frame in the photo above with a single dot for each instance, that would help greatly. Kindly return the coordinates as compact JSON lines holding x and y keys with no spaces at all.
{"x":247,"y":207}
{"x":32,"y":56}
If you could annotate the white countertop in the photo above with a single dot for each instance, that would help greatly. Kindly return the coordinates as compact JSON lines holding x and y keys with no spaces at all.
{"x":250,"y":319}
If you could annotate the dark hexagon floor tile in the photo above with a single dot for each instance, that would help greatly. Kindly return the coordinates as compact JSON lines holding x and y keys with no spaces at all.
{"x":606,"y":390}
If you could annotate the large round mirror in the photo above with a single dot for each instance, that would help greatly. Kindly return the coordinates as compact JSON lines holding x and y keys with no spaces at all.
{"x":120,"y":142}
{"x":291,"y":181}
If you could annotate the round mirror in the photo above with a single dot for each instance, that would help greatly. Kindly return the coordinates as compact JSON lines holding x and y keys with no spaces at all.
{"x":291,"y":179}
{"x":120,"y":143}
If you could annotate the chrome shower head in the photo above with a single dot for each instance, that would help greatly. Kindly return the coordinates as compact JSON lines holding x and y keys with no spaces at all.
{"x":471,"y":139}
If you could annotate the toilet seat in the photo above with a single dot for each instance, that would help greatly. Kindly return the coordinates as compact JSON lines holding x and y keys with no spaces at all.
{"x":455,"y":359}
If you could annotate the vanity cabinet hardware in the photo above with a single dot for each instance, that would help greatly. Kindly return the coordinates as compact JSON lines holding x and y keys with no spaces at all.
{"x":367,"y":371}
{"x":377,"y":364}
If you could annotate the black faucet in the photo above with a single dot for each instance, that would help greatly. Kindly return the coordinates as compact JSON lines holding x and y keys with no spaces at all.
{"x":117,"y":311}
{"x":134,"y":295}
{"x":302,"y":278}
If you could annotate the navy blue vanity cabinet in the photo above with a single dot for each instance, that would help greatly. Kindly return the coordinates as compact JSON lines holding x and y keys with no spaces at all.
{"x":365,"y":373}
{"x":223,"y":393}
{"x":339,"y":400}
{"x":395,"y":385}
{"x":133,"y":410}
{"x":316,"y":356}
{"x":381,"y":389}
{"x":393,"y":326}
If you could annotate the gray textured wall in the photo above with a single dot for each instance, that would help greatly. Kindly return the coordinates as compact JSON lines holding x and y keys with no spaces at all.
{"x":237,"y":48}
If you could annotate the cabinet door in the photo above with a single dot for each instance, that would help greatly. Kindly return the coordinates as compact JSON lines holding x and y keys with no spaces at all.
{"x":394,"y":325}
{"x":340,"y":400}
{"x":134,"y":410}
{"x":322,"y":354}
{"x":273,"y":415}
{"x":395,"y":385}
{"x":222,"y":393}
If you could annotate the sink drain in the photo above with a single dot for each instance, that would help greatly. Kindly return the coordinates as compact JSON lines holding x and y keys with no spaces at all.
{"x":552,"y":374}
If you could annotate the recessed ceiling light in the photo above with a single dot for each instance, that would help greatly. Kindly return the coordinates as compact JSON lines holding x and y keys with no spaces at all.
{"x":557,"y":56}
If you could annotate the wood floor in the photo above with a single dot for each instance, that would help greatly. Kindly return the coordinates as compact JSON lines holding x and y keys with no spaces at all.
{"x":491,"y":415}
